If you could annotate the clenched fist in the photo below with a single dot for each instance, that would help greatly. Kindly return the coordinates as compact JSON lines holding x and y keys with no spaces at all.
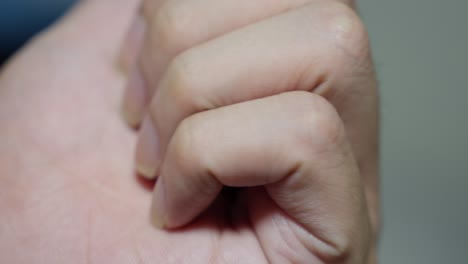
{"x":277,"y":98}
{"x":259,"y":120}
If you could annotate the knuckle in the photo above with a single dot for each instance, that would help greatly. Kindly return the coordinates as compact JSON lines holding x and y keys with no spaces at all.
{"x":344,"y":38}
{"x":338,"y":251}
{"x":319,"y":128}
{"x":347,"y":246}
{"x":171,"y":28}
{"x":190,"y":153}
{"x":181,"y":84}
{"x":344,"y":42}
{"x":185,"y":83}
{"x":187,"y":143}
{"x":346,"y":29}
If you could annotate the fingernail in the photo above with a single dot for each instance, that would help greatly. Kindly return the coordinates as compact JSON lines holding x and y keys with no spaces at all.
{"x":132,"y":44}
{"x":158,"y":208}
{"x":147,"y":151}
{"x":135,"y":99}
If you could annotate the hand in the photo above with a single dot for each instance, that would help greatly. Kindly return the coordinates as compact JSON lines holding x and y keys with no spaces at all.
{"x":67,"y":191}
{"x":200,"y":81}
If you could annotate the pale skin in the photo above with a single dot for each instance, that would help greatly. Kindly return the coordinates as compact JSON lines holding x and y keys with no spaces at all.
{"x":238,"y":104}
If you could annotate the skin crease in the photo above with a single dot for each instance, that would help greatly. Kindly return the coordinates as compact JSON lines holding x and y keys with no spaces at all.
{"x":172,"y":27}
{"x":187,"y":68}
{"x":68,"y":193}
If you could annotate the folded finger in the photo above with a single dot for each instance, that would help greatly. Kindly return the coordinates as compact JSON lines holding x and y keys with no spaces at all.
{"x":313,"y":48}
{"x":177,"y":25}
{"x":292,"y":144}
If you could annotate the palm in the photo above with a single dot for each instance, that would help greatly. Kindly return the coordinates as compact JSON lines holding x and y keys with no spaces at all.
{"x":68,"y":191}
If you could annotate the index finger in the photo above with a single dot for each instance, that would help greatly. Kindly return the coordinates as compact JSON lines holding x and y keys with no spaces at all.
{"x":294,"y":147}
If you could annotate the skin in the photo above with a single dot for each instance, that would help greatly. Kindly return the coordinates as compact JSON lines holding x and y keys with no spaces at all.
{"x":69,"y":194}
{"x":221,"y":98}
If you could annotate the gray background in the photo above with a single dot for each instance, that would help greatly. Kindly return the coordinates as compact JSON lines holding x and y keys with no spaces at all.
{"x":421,"y":54}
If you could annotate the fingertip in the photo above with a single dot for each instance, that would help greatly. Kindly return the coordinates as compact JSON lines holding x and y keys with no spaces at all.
{"x":135,"y":99}
{"x":131,"y":119}
{"x":146,"y":172}
{"x":147,"y":156}
{"x":157,"y":221}
{"x":158,"y":209}
{"x":131,"y":45}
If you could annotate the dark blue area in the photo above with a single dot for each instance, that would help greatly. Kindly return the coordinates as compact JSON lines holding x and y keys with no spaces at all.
{"x":21,"y":19}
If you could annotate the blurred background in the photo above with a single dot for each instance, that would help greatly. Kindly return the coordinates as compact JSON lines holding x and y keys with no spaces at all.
{"x":421,"y":55}
{"x":19,"y":19}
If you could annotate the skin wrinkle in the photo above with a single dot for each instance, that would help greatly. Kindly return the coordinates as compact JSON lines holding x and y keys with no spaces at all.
{"x":215,"y":246}
{"x":123,"y":235}
{"x":155,"y":39}
{"x":219,"y":255}
{"x":256,"y":234}
{"x":20,"y":189}
{"x":55,"y":163}
{"x":115,"y":208}
{"x":137,"y":251}
{"x":216,"y":256}
{"x":297,"y":172}
{"x":98,"y":202}
{"x":7,"y":224}
{"x":310,"y":248}
{"x":97,"y":189}
{"x":88,"y":237}
{"x":47,"y":160}
{"x":286,"y":253}
{"x":31,"y":239}
{"x":281,"y":252}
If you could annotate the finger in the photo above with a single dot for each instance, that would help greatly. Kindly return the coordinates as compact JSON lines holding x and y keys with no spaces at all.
{"x":293,"y":144}
{"x":132,"y":44}
{"x":133,"y":41}
{"x":273,"y":56}
{"x":174,"y":26}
